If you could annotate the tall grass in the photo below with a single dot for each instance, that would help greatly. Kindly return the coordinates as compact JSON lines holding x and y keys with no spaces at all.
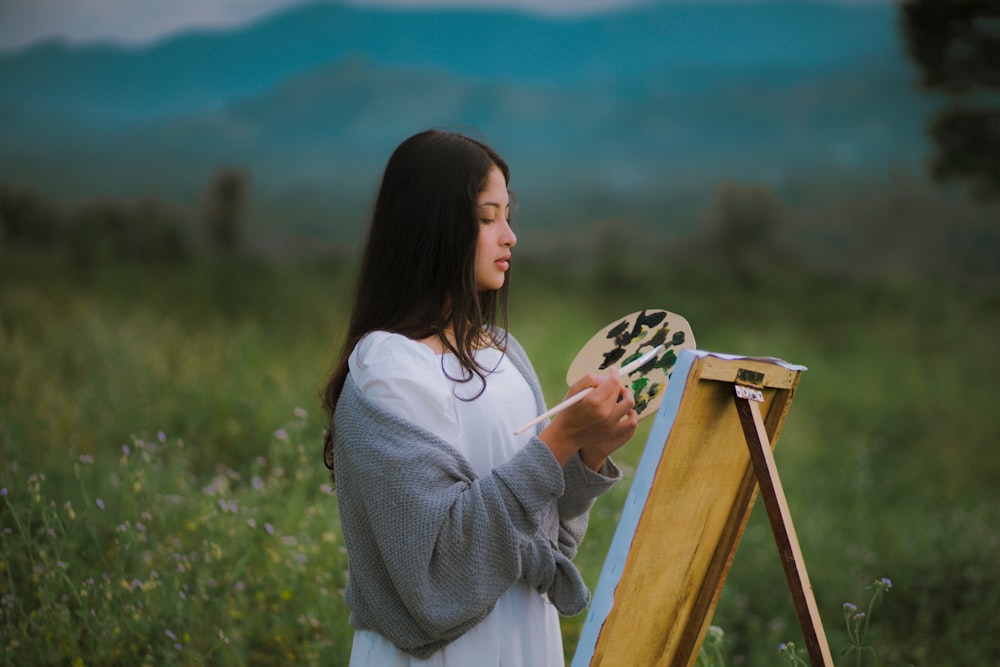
{"x":164,"y":501}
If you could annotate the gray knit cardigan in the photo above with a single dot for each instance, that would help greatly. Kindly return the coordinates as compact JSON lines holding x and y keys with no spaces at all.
{"x":431,"y":546}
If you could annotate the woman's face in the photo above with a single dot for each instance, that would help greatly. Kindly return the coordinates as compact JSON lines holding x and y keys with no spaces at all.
{"x":496,"y":238}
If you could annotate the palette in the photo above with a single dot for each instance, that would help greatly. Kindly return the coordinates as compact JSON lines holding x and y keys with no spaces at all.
{"x":628,"y":338}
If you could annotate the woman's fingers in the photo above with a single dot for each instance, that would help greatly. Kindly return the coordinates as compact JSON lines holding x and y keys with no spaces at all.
{"x":609,"y":401}
{"x":600,"y":423}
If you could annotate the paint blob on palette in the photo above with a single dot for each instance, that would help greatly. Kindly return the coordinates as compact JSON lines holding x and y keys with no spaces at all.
{"x":628,"y":338}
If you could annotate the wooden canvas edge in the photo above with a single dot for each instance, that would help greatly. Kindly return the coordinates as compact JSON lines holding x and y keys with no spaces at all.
{"x":614,"y":562}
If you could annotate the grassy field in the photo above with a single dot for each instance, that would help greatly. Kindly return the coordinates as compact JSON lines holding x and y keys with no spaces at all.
{"x":164,"y":502}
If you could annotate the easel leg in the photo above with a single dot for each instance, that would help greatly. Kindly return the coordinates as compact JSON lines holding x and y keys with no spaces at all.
{"x":784,"y":533}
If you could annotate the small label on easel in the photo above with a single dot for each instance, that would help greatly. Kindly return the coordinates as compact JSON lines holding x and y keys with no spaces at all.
{"x":750,"y":393}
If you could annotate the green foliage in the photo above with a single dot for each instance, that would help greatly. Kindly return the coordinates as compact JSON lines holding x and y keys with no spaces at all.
{"x":887,"y":458}
{"x":142,"y":562}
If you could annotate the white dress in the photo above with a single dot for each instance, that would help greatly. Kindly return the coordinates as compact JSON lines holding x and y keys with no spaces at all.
{"x":408,"y":379}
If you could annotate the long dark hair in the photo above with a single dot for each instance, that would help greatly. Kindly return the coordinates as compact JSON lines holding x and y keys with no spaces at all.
{"x":417,"y":275}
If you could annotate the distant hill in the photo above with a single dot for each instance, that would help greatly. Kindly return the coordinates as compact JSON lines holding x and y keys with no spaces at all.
{"x":204,"y":71}
{"x":662,"y":98}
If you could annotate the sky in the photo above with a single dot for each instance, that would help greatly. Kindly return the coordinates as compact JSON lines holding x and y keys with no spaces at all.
{"x":136,"y":22}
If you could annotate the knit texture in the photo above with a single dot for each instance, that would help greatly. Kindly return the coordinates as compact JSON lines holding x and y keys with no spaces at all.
{"x":432,"y":546}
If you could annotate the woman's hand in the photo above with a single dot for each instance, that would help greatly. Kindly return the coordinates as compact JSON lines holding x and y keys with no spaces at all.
{"x":596,"y":426}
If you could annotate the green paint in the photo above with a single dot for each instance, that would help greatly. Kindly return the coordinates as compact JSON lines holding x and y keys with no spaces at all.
{"x":632,"y":357}
{"x":667,"y":361}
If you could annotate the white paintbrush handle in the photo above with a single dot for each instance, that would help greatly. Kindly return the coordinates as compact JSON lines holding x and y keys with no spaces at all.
{"x":575,"y":398}
{"x":628,"y":368}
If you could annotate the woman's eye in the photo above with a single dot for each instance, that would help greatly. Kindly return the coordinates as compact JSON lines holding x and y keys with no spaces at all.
{"x":486,"y":221}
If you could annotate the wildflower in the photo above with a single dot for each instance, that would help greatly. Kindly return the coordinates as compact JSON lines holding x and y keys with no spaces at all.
{"x":100,"y":503}
{"x":125,"y":450}
{"x":216,"y":487}
{"x":850,"y":607}
{"x":885,"y":583}
{"x":170,"y":634}
{"x":269,"y":528}
{"x":240,"y":586}
{"x":252,"y":522}
{"x":3,"y":491}
{"x":61,"y":563}
{"x":161,"y":436}
{"x":281,"y":434}
{"x":301,"y":413}
{"x":258,"y":483}
{"x":86,"y":458}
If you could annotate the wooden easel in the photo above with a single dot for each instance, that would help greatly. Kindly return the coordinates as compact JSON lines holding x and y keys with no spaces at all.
{"x":708,"y":453}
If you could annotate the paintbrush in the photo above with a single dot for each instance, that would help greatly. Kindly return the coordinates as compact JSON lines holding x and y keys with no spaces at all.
{"x":625,"y":370}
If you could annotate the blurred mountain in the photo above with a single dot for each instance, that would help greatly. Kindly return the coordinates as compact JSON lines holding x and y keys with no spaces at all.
{"x":662,"y":98}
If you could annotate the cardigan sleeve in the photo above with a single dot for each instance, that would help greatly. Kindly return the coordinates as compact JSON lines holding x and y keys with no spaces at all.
{"x":581,"y":487}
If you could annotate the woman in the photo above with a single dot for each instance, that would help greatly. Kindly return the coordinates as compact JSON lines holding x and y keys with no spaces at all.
{"x":459,"y":534}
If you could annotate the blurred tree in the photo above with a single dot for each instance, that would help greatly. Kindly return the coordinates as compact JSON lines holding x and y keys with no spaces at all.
{"x":956,"y":46}
{"x":225,"y":209}
{"x":105,"y":231}
{"x":745,"y":228}
{"x":27,"y":218}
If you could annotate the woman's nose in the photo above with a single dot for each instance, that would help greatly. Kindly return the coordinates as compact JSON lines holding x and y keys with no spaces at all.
{"x":510,"y":238}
